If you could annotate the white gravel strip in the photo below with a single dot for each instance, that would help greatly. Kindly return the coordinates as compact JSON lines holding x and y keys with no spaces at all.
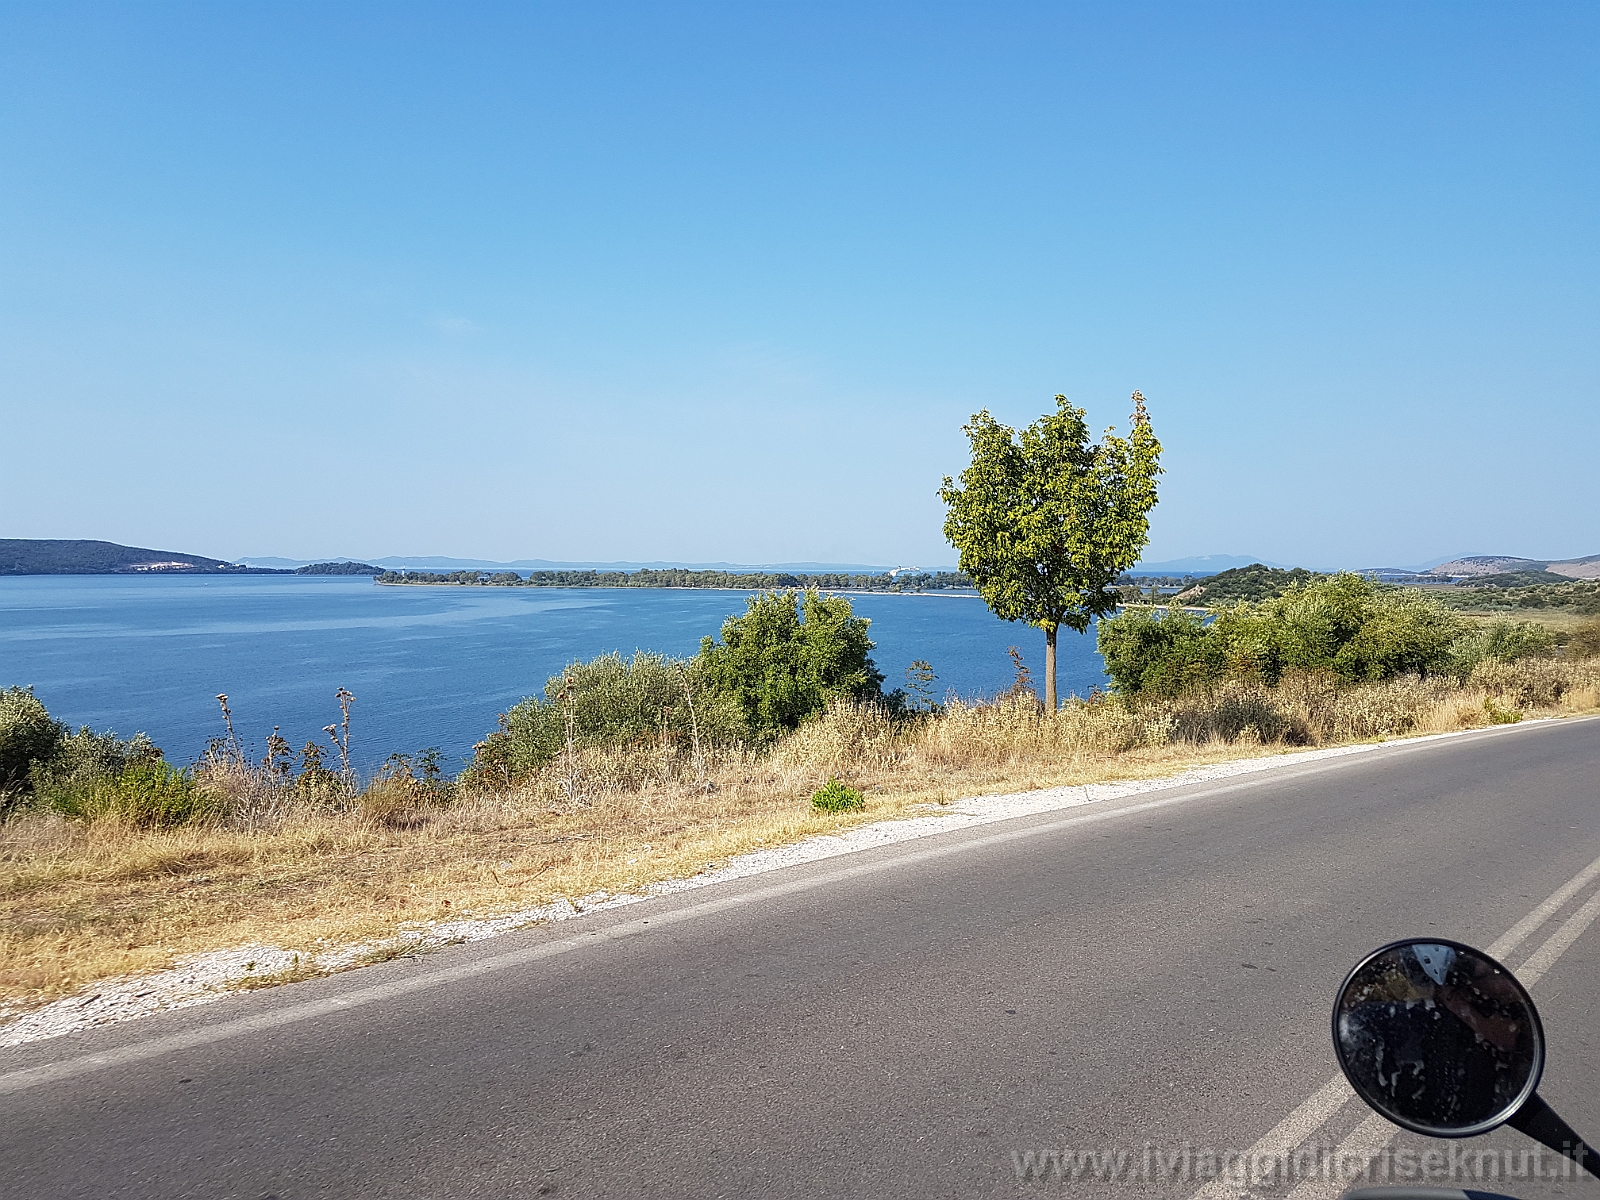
{"x":203,"y":978}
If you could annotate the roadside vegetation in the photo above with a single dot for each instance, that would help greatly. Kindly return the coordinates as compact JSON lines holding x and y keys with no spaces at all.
{"x":1558,"y":604}
{"x":628,"y":771}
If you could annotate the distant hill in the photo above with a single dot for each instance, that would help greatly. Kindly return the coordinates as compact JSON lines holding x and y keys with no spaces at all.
{"x":53,"y":556}
{"x":1255,"y":582}
{"x":1503,"y":564}
{"x":1199,"y":565}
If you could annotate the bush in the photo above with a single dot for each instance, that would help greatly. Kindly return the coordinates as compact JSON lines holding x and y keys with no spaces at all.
{"x":613,"y":703}
{"x":1344,"y":626}
{"x":147,"y":792}
{"x":834,"y":797}
{"x":786,"y":657}
{"x":28,"y":735}
{"x":1164,"y":655}
{"x":1505,"y":641}
{"x":1585,"y":641}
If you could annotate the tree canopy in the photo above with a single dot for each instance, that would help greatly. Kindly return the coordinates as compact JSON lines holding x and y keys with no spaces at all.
{"x":788,"y":655}
{"x":1046,"y":520}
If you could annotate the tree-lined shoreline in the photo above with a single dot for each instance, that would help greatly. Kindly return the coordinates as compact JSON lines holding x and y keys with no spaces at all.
{"x":684,"y":578}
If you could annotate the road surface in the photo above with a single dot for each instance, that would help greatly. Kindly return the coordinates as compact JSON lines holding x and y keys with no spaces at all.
{"x":929,"y":1019}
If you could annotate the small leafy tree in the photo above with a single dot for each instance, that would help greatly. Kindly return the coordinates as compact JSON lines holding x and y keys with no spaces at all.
{"x":1046,"y":520}
{"x":788,"y":655}
{"x":919,"y":683}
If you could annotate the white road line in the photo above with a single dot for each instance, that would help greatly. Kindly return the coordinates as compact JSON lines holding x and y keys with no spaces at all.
{"x":1374,"y":1133}
{"x":1364,"y":1143}
{"x":1542,"y":959}
{"x":1286,"y":1134}
{"x":1519,"y":932}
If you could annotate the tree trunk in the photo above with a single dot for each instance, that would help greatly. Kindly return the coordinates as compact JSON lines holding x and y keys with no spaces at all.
{"x":1050,"y":668}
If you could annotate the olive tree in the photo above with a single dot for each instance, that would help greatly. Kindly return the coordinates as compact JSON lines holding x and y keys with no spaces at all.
{"x":1046,"y":520}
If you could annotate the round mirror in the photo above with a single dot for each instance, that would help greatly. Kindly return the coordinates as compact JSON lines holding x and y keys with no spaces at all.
{"x":1438,"y":1037}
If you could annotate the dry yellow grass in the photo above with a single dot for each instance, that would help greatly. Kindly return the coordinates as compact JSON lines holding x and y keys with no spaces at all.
{"x":1561,"y":622}
{"x":83,"y":901}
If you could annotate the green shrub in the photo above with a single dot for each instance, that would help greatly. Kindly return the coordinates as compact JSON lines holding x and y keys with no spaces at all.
{"x":1404,"y":633}
{"x":146,"y":792}
{"x":1505,"y":641}
{"x":84,"y":759}
{"x":834,"y":797}
{"x":1344,"y":625}
{"x":1163,"y":654}
{"x":1498,"y":715}
{"x":613,"y":702}
{"x":28,"y":735}
{"x":788,"y":655}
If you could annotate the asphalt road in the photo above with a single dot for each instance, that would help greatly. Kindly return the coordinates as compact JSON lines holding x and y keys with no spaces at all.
{"x":903,"y":1022}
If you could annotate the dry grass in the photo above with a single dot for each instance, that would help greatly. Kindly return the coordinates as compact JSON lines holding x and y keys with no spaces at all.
{"x":83,"y":901}
{"x":1560,"y":621}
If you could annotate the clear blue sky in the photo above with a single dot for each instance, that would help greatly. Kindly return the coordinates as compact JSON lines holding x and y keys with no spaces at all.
{"x":710,"y":282}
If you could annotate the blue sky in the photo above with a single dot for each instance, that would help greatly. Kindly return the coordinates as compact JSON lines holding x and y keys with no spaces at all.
{"x":711,"y":282}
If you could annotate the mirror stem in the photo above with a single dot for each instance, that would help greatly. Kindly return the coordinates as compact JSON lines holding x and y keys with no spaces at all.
{"x":1540,"y":1122}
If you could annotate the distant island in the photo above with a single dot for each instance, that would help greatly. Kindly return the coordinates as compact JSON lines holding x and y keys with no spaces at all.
{"x":71,"y":556}
{"x":338,"y":568}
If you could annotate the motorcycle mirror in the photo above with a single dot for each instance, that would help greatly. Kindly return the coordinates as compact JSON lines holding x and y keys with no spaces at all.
{"x":1438,"y":1037}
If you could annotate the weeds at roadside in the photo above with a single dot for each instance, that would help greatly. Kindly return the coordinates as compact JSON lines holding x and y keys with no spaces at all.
{"x":306,"y":858}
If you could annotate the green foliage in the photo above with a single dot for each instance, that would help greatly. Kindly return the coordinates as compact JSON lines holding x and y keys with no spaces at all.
{"x":1164,"y":654}
{"x":612,"y":702}
{"x":919,"y":685}
{"x":85,"y":773}
{"x":57,"y":556}
{"x":1240,"y":584}
{"x":1343,"y":625}
{"x":1046,"y":521}
{"x":1518,"y":579}
{"x":85,"y":755}
{"x":146,"y":792}
{"x":1571,"y":595}
{"x":27,"y":735}
{"x":1506,"y":641}
{"x":1403,"y":633}
{"x":423,"y":772}
{"x":834,"y":797}
{"x":339,"y":568}
{"x":1585,"y":641}
{"x":1498,"y":715}
{"x":787,"y":656}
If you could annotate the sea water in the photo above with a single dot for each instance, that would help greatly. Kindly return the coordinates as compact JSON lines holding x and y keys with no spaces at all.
{"x":429,"y":666}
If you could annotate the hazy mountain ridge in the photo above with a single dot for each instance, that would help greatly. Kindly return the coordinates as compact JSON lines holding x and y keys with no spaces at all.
{"x":1503,"y":564}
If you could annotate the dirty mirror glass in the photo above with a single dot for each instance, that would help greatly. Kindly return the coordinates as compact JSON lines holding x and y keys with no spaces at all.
{"x":1438,"y":1037}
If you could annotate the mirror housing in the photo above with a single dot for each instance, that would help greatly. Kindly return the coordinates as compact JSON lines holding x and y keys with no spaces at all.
{"x":1438,"y":1037}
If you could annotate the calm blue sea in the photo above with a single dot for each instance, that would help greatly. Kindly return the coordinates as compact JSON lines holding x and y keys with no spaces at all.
{"x":430,"y":666}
